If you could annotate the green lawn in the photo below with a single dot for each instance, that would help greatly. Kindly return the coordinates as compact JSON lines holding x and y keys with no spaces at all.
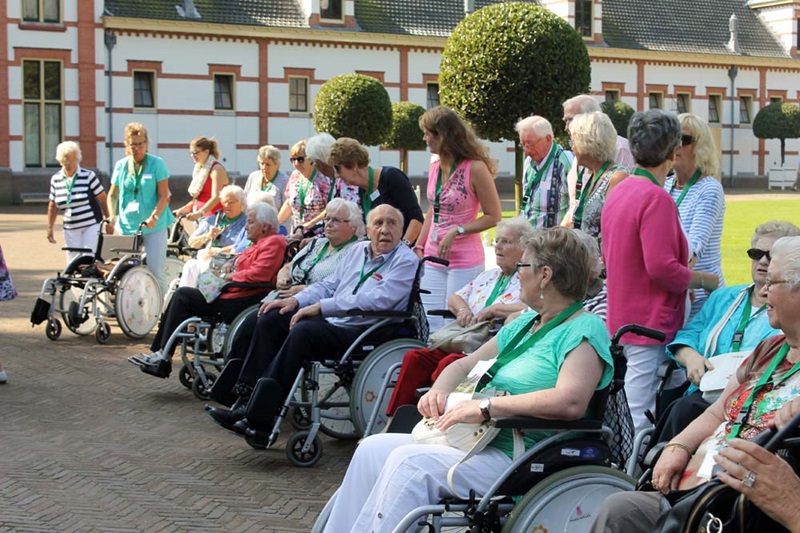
{"x":741,"y":218}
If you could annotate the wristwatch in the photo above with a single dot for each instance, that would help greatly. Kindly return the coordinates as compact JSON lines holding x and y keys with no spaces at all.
{"x":484,"y":406}
{"x":460,"y":230}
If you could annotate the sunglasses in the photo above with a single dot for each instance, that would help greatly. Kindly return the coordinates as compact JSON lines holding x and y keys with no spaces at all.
{"x":299,"y":160}
{"x":686,"y":140}
{"x":756,"y":254}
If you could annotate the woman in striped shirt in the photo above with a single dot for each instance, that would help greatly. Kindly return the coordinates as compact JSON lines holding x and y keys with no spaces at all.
{"x":78,"y":193}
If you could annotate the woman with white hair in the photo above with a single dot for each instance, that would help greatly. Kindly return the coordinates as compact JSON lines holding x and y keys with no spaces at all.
{"x":78,"y":193}
{"x":259,"y":263}
{"x":595,"y":147}
{"x":319,"y":150}
{"x":697,"y":192}
{"x":269,"y":177}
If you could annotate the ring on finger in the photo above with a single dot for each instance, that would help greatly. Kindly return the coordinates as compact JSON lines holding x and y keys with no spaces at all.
{"x":749,"y":479}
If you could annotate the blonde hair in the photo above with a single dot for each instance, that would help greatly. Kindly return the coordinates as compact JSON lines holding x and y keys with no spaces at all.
{"x":206,"y":143}
{"x":348,"y":152}
{"x":594,"y":136}
{"x":299,"y":147}
{"x":705,"y":151}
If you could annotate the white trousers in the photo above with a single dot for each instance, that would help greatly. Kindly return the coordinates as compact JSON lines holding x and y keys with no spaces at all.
{"x":81,"y":238}
{"x":155,"y":245}
{"x":442,"y":283}
{"x":390,"y":476}
{"x":641,"y":381}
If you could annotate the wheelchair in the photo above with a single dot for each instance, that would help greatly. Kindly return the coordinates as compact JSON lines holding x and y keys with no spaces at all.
{"x":109,"y":282}
{"x":343,"y":398}
{"x":557,"y":485}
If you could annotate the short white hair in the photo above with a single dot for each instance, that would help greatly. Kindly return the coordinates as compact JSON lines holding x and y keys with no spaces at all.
{"x":319,"y":147}
{"x":66,"y":148}
{"x":787,"y":249}
{"x":584,"y":104}
{"x":353,"y":214}
{"x":540,"y":126}
{"x":265,"y":214}
{"x":235,"y":191}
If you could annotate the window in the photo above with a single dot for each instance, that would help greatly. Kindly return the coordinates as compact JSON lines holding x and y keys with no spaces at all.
{"x":656,"y":101}
{"x":745,"y":109}
{"x":612,"y":96}
{"x":298,"y":95}
{"x":683,"y":102}
{"x":583,"y":17}
{"x":775,"y":100}
{"x":42,"y":108}
{"x":330,"y":9}
{"x":714,"y":108}
{"x":223,"y":92}
{"x":143,"y":85}
{"x":433,"y":95}
{"x":41,"y":10}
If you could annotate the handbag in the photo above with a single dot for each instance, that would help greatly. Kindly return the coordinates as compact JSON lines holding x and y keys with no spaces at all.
{"x":210,"y":285}
{"x":617,"y":416}
{"x":454,"y":338}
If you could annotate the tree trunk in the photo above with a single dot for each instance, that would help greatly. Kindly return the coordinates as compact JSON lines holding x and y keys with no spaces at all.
{"x":519,"y":159}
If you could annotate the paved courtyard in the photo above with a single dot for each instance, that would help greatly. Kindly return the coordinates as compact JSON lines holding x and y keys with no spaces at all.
{"x":89,"y":443}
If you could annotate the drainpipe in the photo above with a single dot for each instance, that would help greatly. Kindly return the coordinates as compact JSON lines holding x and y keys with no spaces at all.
{"x":110,"y":41}
{"x":733,"y":46}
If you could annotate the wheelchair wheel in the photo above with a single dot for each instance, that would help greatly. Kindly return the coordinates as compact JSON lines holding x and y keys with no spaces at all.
{"x":295,"y":453}
{"x":568,"y":500}
{"x":79,"y":321}
{"x":235,"y":329}
{"x":334,"y":416}
{"x":369,"y":381}
{"x":186,"y":377}
{"x":102,"y":333}
{"x":53,"y":330}
{"x":138,"y":302}
{"x":201,"y":391}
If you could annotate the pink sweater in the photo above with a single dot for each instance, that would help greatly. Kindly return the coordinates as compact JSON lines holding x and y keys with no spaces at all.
{"x":646,"y":258}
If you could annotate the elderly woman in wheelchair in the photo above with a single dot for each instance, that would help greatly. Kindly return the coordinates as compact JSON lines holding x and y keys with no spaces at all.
{"x":548,"y":364}
{"x":766,"y":381}
{"x":258,"y":264}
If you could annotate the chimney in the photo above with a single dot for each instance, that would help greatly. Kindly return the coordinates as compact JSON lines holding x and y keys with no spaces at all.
{"x":188,"y":10}
{"x":733,"y":27}
{"x":469,"y":7}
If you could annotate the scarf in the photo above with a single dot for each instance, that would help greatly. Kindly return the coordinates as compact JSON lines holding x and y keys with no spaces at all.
{"x":200,"y":175}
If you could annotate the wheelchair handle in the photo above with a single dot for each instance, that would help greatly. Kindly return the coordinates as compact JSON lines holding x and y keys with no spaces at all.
{"x":638,"y":329}
{"x":434,"y":259}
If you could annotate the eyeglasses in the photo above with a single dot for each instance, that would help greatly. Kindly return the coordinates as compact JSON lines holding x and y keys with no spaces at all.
{"x":686,"y":140}
{"x":503,"y":241}
{"x":137,"y":145}
{"x":756,"y":254}
{"x":299,"y":160}
{"x":771,"y":282}
{"x":520,"y":265}
{"x":331,"y":220}
{"x":194,"y":152}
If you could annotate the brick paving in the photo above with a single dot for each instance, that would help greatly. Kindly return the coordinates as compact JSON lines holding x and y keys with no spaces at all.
{"x":89,"y":443}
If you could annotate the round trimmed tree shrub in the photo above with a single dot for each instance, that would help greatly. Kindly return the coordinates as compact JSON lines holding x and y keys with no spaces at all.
{"x":405,"y":134}
{"x":779,"y":120}
{"x":620,"y":114}
{"x":356,"y":106}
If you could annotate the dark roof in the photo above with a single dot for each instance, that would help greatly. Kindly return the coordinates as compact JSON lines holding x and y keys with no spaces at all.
{"x":699,"y":26}
{"x":270,"y":13}
{"x":682,"y":26}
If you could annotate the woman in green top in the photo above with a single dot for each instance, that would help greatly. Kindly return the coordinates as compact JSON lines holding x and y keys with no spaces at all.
{"x":139,"y":194}
{"x":550,"y":362}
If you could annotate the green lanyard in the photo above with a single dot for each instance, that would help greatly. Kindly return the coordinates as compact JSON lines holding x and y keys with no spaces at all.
{"x":270,"y":185}
{"x":746,"y":317}
{"x":440,"y":188}
{"x":586,"y":192}
{"x":537,"y":177}
{"x":137,"y":178}
{"x":499,"y":287}
{"x":362,"y":277}
{"x":69,"y":184}
{"x":647,"y":174}
{"x":517,"y":347}
{"x":765,"y":380}
{"x":322,"y":254}
{"x":332,"y":191}
{"x":301,"y":192}
{"x":366,"y":197}
{"x":692,"y":181}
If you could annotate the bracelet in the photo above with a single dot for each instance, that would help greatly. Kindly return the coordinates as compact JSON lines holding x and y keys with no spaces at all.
{"x":702,"y":282}
{"x":154,"y":216}
{"x":680,"y":445}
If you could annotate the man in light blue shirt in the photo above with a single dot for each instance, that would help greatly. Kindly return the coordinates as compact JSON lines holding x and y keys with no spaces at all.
{"x":376,"y":275}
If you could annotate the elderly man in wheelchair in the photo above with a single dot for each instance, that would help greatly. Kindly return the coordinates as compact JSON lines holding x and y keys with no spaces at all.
{"x":317,"y":322}
{"x":258,"y":264}
{"x":715,"y":445}
{"x":546,"y":364}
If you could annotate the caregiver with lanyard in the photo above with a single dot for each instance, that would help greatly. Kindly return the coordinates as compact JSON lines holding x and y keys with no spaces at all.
{"x":139,"y":194}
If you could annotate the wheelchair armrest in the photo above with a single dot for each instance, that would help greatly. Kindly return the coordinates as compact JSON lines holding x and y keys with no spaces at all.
{"x":375,"y":314}
{"x":649,"y":460}
{"x":444,"y":313}
{"x":84,"y":250}
{"x":666,"y":369}
{"x":245,"y":285}
{"x":125,"y":251}
{"x":528,"y":422}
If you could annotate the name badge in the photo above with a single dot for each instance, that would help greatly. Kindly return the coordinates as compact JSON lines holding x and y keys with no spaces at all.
{"x":375,"y":195}
{"x":147,"y":177}
{"x":132,"y":207}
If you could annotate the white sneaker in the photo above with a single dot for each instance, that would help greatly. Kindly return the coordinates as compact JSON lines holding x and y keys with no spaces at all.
{"x":3,"y":377}
{"x":145,"y":358}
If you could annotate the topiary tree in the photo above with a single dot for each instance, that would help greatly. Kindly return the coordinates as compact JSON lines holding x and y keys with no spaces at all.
{"x":356,"y":106}
{"x":620,"y":114}
{"x":508,"y":61}
{"x":405,"y":134}
{"x":778,"y":121}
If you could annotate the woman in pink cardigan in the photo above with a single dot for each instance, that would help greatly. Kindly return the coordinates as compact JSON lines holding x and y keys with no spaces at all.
{"x":647,"y":256}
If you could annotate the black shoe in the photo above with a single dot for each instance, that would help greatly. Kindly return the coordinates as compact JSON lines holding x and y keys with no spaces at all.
{"x":227,"y":417}
{"x":240,"y":427}
{"x":161,"y":369}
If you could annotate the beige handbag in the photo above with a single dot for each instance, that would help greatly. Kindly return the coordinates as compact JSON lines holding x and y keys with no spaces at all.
{"x":454,"y":338}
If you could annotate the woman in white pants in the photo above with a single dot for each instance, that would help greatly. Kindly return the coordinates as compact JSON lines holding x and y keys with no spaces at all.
{"x":77,"y":193}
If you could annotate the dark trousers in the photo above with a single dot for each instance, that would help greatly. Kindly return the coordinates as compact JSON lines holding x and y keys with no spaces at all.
{"x":677,"y":416}
{"x":277,"y":352}
{"x":188,"y":302}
